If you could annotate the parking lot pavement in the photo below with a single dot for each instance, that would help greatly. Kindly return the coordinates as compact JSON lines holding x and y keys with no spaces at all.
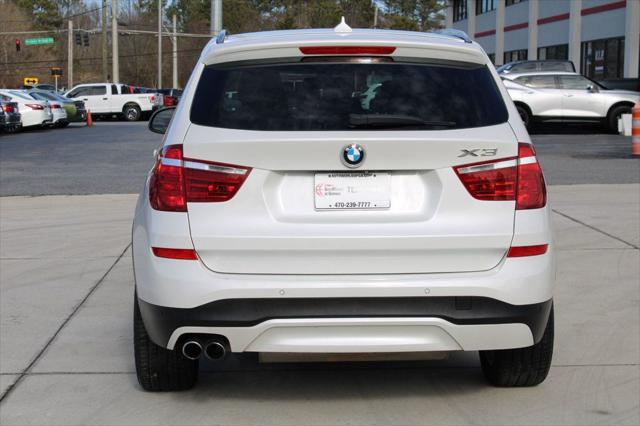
{"x":66,"y":354}
{"x":114,"y":158}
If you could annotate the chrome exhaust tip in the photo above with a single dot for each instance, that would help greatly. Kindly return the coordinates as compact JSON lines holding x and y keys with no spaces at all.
{"x":192,"y":350}
{"x":215,"y":351}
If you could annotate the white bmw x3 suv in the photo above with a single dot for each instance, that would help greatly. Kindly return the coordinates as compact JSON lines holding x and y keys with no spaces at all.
{"x":286,"y":215}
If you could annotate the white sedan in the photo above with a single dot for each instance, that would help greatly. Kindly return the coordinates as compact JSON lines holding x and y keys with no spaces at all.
{"x":567,"y":97}
{"x":34,"y":112}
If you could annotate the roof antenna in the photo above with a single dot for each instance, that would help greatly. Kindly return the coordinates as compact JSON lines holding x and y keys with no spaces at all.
{"x":342,"y":27}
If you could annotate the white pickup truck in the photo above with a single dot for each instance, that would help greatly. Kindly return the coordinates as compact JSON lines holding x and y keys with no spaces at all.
{"x":109,"y":99}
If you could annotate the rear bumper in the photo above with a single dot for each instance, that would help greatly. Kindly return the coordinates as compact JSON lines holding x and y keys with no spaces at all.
{"x":353,"y":324}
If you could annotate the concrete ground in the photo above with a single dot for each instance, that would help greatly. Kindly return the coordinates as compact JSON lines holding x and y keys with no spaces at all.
{"x":66,"y":337}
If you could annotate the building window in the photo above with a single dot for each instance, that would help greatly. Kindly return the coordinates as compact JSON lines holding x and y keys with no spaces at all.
{"x":510,"y":2}
{"x":459,"y":10}
{"x":484,"y":6}
{"x":560,"y":51}
{"x":603,"y":58}
{"x":515,"y":55}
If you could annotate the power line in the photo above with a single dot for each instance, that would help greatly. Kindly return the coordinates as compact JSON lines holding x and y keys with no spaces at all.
{"x":100,"y":58}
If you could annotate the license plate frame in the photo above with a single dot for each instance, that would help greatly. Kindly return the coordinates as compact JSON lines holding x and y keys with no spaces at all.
{"x":352,"y":191}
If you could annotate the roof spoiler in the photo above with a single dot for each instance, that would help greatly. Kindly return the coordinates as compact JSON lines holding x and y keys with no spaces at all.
{"x":455,"y":33}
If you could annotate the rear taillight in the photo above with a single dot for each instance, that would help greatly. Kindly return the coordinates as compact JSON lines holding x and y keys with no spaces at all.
{"x":7,"y":108}
{"x":152,"y":99}
{"x":512,"y":179}
{"x":176,"y":180}
{"x":54,"y":106}
{"x":166,"y":188}
{"x":35,"y":106}
{"x":532,"y":191}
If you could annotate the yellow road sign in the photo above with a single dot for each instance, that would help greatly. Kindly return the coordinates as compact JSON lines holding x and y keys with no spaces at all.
{"x":31,"y":80}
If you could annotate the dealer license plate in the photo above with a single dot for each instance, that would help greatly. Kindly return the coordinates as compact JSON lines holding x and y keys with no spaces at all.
{"x":352,"y":190}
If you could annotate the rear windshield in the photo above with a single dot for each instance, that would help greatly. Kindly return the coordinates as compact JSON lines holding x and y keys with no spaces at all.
{"x":347,"y":96}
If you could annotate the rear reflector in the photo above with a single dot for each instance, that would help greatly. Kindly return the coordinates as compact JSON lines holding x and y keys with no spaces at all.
{"x":517,"y":179}
{"x":523,"y":251}
{"x":173,"y":253}
{"x":176,"y":180}
{"x":348,"y":50}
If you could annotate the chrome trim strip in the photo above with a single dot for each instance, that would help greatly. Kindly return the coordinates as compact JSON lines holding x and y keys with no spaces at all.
{"x":202,"y":166}
{"x":213,"y":168}
{"x":486,"y":167}
{"x":170,"y":162}
{"x":527,"y":160}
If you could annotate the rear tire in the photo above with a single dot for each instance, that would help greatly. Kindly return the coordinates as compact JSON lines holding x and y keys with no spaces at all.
{"x":524,"y":115}
{"x":520,"y":367}
{"x":614,"y":115}
{"x":132,"y":112}
{"x":159,"y":369}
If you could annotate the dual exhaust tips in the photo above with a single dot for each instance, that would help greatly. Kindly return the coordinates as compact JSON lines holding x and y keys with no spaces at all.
{"x":192,"y":349}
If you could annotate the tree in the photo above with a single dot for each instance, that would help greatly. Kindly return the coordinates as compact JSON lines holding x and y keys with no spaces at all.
{"x":415,"y":15}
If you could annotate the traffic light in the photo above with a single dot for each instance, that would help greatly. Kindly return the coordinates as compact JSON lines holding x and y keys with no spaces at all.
{"x":18,"y":45}
{"x":85,"y":40}
{"x":78,"y":39}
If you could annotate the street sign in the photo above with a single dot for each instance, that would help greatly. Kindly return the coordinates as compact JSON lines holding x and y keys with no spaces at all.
{"x":56,"y":71}
{"x":39,"y":40}
{"x":28,"y":81}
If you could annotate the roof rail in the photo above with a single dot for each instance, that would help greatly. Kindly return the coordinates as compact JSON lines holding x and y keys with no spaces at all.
{"x":451,"y":32}
{"x":221,"y":36}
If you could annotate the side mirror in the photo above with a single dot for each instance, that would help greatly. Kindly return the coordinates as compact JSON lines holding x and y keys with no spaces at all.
{"x":592,"y":89}
{"x":159,"y":121}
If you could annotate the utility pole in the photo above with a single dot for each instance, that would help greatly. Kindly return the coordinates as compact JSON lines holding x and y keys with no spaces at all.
{"x":159,"y":44}
{"x":216,"y":16}
{"x":105,"y":54}
{"x":115,"y":60}
{"x":375,"y":16}
{"x":175,"y":52}
{"x":70,"y":55}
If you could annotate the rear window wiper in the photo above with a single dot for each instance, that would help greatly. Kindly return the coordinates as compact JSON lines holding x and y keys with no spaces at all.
{"x":382,"y":121}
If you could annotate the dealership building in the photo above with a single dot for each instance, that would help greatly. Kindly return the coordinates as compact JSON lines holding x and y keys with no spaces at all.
{"x":601,"y":37}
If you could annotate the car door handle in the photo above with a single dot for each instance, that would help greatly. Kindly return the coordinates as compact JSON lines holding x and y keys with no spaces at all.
{"x":85,"y":99}
{"x":105,"y":99}
{"x":568,"y":96}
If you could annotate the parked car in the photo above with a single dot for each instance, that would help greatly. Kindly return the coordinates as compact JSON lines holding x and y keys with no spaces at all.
{"x":47,"y":87}
{"x":632,"y":84}
{"x":567,"y":97}
{"x":536,"y":66}
{"x":283,"y":216}
{"x":33,"y":112}
{"x":76,"y":111}
{"x":110,"y":99}
{"x":171,"y":97}
{"x":10,"y":118}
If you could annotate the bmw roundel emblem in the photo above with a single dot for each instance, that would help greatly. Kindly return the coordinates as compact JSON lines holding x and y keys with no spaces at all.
{"x":352,"y":155}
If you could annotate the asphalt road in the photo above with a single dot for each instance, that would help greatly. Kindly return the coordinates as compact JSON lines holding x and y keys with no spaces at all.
{"x":114,"y":158}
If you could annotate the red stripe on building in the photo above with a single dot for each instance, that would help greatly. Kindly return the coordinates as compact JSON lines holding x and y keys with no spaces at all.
{"x":485,"y":33}
{"x":604,"y":7}
{"x":554,"y":18}
{"x":516,"y":27}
